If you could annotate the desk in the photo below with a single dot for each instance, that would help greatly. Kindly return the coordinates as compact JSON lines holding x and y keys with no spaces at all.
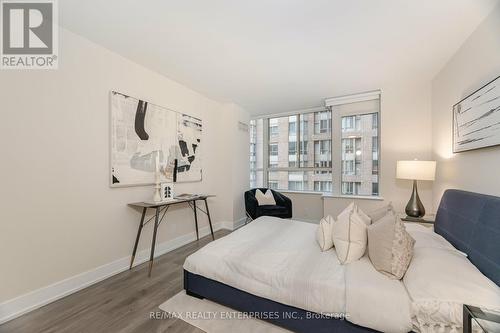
{"x":162,"y":208}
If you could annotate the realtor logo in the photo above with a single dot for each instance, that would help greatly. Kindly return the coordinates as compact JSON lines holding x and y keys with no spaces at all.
{"x":29,"y":34}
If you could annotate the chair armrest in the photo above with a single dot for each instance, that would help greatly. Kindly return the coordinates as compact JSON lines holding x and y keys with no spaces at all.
{"x":282,"y":200}
{"x":251,"y":204}
{"x":288,"y":202}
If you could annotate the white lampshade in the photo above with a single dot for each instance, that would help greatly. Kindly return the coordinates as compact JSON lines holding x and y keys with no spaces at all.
{"x":416,"y":170}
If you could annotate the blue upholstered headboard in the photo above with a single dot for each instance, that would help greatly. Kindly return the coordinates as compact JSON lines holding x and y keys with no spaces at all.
{"x":471,"y":222}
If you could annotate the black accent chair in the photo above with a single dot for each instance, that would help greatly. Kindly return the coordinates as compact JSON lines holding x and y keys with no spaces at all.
{"x":283,"y":207}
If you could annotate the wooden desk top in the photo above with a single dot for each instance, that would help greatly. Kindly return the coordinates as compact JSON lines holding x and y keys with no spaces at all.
{"x":170,"y":202}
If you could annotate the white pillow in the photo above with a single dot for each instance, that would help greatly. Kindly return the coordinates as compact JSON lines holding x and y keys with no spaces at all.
{"x":349,"y":235}
{"x":439,"y":282}
{"x":324,"y":233}
{"x":265,"y":199}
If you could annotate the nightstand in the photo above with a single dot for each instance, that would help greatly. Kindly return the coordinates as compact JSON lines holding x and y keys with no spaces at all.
{"x":429,"y":219}
{"x":426,"y":221}
{"x":487,"y":320}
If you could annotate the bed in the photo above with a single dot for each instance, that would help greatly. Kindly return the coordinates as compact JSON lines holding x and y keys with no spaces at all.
{"x":274,"y":269}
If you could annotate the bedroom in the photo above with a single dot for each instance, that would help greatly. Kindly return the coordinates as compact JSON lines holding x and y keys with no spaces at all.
{"x":115,"y":109}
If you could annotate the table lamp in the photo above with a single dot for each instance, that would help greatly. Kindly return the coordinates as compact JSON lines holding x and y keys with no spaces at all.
{"x":415,"y":170}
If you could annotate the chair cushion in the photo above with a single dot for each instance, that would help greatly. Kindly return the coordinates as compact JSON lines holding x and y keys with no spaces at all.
{"x":272,"y":210}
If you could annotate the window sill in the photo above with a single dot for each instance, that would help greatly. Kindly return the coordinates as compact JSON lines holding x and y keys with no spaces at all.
{"x":336,"y":196}
{"x":300,"y":192}
{"x":357,"y":197}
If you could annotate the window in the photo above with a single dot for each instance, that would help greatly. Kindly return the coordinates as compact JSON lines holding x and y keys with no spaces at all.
{"x":351,"y":123}
{"x":347,"y":123}
{"x":292,"y":148}
{"x":322,"y":186}
{"x":322,"y":122}
{"x":300,"y":149}
{"x":273,"y":155}
{"x":375,"y":167}
{"x":256,"y":129}
{"x":323,"y":154}
{"x":375,"y":145}
{"x":348,"y":146}
{"x":360,"y":149}
{"x":348,"y":167}
{"x":272,"y":184}
{"x":292,"y":128}
{"x":374,"y":120}
{"x":351,"y":188}
{"x":273,"y":128}
{"x":304,"y":129}
{"x":292,"y":154}
{"x":273,"y":149}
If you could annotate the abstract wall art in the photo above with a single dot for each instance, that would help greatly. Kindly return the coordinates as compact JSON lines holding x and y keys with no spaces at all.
{"x":476,"y":119}
{"x":144,"y":135}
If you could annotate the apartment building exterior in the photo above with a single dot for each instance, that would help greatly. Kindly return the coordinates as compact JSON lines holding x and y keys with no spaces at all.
{"x":297,"y":151}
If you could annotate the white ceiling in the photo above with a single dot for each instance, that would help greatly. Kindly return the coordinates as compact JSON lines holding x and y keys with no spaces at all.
{"x":278,"y":55}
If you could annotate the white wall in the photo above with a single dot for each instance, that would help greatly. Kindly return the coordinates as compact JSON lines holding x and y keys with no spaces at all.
{"x":59,"y":215}
{"x":476,"y":63}
{"x":233,"y":161}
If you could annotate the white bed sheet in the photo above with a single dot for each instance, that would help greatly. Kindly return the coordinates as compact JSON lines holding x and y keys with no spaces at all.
{"x":281,"y":261}
{"x":276,"y":259}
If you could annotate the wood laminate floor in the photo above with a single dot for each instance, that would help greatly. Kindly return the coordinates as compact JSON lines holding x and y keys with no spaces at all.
{"x":121,"y":303}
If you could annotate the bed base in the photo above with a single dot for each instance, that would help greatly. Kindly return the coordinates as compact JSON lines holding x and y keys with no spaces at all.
{"x":289,"y":317}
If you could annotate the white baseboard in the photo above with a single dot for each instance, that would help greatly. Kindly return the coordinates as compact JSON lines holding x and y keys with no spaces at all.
{"x":239,"y":223}
{"x":20,"y":305}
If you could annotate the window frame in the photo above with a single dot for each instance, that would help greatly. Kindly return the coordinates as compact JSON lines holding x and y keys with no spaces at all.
{"x":336,"y":141}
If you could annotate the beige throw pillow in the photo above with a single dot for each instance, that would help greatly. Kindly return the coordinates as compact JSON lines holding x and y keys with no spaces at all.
{"x":367,"y":219}
{"x":349,"y":235}
{"x":390,"y":246}
{"x":324,"y":233}
{"x":265,"y":199}
{"x":379,"y":213}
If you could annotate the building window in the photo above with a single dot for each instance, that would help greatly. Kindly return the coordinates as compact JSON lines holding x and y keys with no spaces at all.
{"x":300,"y":148}
{"x":359,"y":148}
{"x":374,"y":120}
{"x":351,"y":188}
{"x":322,"y":122}
{"x":292,"y":148}
{"x":348,"y":167}
{"x":272,"y":185}
{"x":323,"y":186}
{"x":292,"y":128}
{"x":273,"y":149}
{"x":292,"y":154}
{"x":256,"y":130}
{"x":273,"y":128}
{"x":375,"y":167}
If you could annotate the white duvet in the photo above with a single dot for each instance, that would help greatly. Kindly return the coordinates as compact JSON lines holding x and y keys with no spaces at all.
{"x":280,"y":260}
